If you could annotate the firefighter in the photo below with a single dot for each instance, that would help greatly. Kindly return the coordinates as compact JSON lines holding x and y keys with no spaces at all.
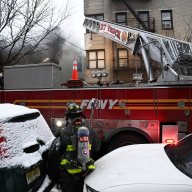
{"x":72,"y":172}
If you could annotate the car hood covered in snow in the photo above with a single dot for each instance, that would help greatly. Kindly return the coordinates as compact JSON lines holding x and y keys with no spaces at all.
{"x":135,"y":164}
{"x":19,"y":135}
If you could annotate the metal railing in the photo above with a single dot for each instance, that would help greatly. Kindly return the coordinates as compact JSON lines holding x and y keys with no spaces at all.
{"x":132,"y":22}
{"x":127,"y":64}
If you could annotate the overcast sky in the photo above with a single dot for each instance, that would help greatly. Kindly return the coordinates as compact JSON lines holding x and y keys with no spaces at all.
{"x":73,"y":25}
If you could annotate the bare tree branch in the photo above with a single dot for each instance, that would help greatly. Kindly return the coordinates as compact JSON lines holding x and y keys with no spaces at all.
{"x":24,"y":24}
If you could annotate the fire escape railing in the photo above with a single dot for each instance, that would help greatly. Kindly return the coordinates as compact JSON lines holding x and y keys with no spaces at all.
{"x":143,"y":25}
{"x":132,"y":22}
{"x":135,"y":14}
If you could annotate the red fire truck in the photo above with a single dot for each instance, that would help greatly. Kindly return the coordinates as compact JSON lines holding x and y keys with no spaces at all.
{"x":126,"y":114}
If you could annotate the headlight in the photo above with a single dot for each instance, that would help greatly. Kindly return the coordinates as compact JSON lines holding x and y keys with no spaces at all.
{"x":58,"y":122}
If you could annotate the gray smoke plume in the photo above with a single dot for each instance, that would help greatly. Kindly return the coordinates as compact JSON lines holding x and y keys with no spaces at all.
{"x":51,"y":47}
{"x":55,"y":44}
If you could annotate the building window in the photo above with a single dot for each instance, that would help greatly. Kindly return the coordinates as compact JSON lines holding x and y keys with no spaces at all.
{"x":121,"y":18}
{"x":166,"y":19}
{"x":144,"y":16}
{"x":96,"y":59}
{"x":122,"y":58}
{"x":95,"y":16}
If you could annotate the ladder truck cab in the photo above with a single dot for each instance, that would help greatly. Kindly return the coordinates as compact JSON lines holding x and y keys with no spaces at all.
{"x":159,"y":111}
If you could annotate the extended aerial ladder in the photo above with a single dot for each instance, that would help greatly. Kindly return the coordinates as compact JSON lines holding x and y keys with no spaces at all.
{"x":174,"y":55}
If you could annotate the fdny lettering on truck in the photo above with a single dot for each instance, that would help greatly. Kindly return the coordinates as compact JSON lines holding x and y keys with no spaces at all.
{"x":103,"y":104}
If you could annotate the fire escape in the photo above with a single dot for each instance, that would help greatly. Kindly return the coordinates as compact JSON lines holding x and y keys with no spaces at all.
{"x":150,"y":27}
{"x":138,"y":22}
{"x":135,"y":14}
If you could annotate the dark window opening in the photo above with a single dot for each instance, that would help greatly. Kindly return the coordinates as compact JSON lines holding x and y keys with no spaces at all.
{"x":122,"y":58}
{"x":144,"y":16}
{"x":166,"y":19}
{"x":121,"y":18}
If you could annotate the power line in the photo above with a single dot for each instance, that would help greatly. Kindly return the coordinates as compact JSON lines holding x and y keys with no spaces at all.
{"x":68,"y":42}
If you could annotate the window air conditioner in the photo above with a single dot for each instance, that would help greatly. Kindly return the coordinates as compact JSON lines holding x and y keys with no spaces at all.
{"x":167,"y":26}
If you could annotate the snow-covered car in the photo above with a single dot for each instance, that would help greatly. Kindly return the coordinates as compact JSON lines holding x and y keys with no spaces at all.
{"x":144,"y":168}
{"x":25,"y":139}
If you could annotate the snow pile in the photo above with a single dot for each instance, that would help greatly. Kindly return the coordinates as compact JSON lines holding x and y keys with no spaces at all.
{"x":20,"y":135}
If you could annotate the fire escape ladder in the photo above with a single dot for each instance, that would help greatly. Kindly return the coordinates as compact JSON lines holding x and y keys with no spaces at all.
{"x":136,"y":15}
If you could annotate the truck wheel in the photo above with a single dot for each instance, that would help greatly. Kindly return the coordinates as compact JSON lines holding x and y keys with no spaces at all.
{"x":126,"y":138}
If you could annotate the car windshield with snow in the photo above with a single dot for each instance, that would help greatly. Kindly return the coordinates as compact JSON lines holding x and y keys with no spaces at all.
{"x":144,"y":167}
{"x":24,"y":141}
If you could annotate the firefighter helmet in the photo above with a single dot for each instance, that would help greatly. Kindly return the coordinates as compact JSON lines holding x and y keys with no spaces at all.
{"x":73,"y":111}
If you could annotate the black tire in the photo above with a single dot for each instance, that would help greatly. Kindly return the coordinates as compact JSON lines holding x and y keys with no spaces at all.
{"x":126,"y":138}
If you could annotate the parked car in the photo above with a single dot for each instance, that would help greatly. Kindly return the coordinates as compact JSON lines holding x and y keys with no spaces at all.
{"x":144,"y":168}
{"x":24,"y":141}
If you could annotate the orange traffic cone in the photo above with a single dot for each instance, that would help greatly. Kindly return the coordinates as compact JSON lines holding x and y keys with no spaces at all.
{"x":75,"y":72}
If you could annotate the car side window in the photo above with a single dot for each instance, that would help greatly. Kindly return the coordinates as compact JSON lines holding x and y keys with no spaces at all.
{"x":32,"y":148}
{"x":25,"y":117}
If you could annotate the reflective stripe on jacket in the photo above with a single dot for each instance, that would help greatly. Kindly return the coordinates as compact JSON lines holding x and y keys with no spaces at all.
{"x":71,"y":168}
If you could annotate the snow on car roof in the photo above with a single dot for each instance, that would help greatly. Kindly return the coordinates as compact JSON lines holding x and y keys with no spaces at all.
{"x":20,"y":135}
{"x":7,"y":111}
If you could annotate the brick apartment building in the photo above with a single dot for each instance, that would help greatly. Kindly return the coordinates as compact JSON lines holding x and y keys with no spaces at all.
{"x":167,"y":17}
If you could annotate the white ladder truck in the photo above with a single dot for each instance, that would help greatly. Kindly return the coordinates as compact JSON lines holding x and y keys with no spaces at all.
{"x":175,"y":56}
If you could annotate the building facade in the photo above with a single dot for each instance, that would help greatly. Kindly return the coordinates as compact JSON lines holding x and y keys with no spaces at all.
{"x":167,"y":17}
